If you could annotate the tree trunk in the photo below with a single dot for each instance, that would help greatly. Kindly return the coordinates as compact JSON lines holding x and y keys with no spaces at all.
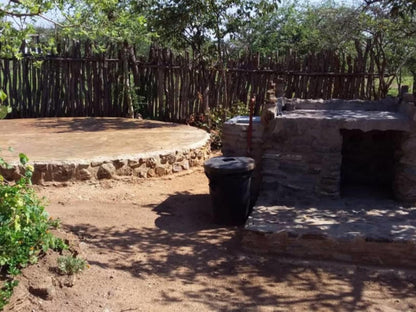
{"x":126,"y":83}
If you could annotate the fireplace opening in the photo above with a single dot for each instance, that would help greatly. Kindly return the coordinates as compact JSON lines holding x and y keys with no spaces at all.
{"x":368,"y":162}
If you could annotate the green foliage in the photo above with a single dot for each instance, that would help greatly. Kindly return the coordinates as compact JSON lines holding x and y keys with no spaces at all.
{"x":104,"y":22}
{"x":213,"y":121}
{"x":24,"y":225}
{"x":396,"y":7}
{"x":6,"y":292}
{"x":203,"y":25}
{"x":219,"y":115}
{"x":4,"y":109}
{"x":71,"y":265}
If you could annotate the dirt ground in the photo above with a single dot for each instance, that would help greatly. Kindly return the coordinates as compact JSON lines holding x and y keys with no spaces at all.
{"x":151,"y":246}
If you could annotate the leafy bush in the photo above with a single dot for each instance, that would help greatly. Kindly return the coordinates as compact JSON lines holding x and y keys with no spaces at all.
{"x":4,"y":110}
{"x":214,"y":120}
{"x":24,"y":227}
{"x":71,"y":265}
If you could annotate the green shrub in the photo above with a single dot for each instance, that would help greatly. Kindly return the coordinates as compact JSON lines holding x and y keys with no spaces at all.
{"x":4,"y":110}
{"x":24,"y":227}
{"x":214,"y":120}
{"x":71,"y":265}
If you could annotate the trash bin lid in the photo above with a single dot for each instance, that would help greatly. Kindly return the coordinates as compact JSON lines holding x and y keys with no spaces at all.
{"x":229,"y":165}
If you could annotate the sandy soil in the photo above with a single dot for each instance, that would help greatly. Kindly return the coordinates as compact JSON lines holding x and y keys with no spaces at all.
{"x":151,"y":246}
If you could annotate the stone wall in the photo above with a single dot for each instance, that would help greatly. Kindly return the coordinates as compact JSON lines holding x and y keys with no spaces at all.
{"x":387,"y":104}
{"x":303,"y":148}
{"x":142,"y":166}
{"x":301,"y":159}
{"x":356,"y":250}
{"x":234,"y":141}
{"x":299,"y":154}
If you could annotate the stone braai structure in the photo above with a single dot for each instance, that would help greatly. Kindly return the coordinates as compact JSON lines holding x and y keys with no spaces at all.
{"x":338,"y":180}
{"x":305,"y":150}
{"x":310,"y":150}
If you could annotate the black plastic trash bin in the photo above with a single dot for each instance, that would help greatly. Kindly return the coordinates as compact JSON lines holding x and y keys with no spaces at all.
{"x":229,"y":186}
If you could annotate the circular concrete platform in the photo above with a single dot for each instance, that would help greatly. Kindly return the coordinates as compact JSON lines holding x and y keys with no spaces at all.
{"x":64,"y":149}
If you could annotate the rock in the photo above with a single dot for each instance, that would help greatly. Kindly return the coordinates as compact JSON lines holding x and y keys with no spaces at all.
{"x":106,"y":171}
{"x":69,"y":280}
{"x":125,"y":171}
{"x":11,"y":174}
{"x":119,"y":163}
{"x":194,"y":162}
{"x":84,"y":174}
{"x":160,"y":171}
{"x":177,"y":168}
{"x":171,"y":159}
{"x":200,"y":154}
{"x":140,"y":172}
{"x":185,"y":165}
{"x":404,"y":182}
{"x":151,"y":162}
{"x":151,"y":173}
{"x":134,"y":163}
{"x":62,"y":173}
{"x":83,"y":166}
{"x":43,"y":288}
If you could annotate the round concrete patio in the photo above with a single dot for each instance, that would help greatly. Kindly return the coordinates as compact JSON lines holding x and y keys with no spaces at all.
{"x":64,"y":149}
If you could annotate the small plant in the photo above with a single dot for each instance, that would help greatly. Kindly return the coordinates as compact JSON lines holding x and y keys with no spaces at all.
{"x":6,"y":292}
{"x":24,"y":227}
{"x":70,"y":265}
{"x":214,"y":121}
{"x":54,"y":223}
{"x":4,"y":110}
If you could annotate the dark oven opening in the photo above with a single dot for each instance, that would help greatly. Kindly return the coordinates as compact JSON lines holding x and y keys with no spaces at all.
{"x":368,"y":162}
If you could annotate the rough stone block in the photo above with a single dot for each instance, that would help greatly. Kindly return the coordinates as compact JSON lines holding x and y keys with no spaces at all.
{"x":177,"y":168}
{"x":404,"y":183}
{"x":83,"y":174}
{"x":151,"y":173}
{"x":140,"y":172}
{"x":124,"y":171}
{"x":185,"y":165}
{"x":62,"y":172}
{"x":134,"y":163}
{"x":119,"y":163}
{"x":151,"y":162}
{"x":170,"y":158}
{"x":106,"y":171}
{"x":160,"y":171}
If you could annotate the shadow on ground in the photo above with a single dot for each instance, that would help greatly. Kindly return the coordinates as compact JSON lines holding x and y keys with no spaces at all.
{"x":64,"y":125}
{"x":184,"y":245}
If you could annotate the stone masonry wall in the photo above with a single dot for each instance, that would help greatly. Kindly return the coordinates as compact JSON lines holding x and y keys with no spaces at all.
{"x":404,"y":183}
{"x":142,"y":166}
{"x":235,"y":144}
{"x":357,"y":250}
{"x":302,"y":159}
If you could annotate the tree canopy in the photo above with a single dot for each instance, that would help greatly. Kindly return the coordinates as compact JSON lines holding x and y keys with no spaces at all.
{"x":214,"y":29}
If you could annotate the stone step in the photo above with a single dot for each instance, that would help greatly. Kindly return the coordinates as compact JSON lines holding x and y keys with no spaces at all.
{"x":359,"y":230}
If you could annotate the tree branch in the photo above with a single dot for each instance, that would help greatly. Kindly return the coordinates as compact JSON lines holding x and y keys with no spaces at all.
{"x":16,"y":14}
{"x":51,"y":21}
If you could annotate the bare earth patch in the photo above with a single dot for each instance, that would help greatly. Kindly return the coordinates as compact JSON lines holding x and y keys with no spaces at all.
{"x":151,"y":246}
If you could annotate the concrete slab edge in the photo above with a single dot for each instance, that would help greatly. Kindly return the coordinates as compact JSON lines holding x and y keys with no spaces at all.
{"x":142,"y":165}
{"x":357,"y":251}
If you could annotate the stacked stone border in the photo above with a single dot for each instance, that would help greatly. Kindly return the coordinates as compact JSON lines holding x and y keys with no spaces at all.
{"x":358,"y":250}
{"x":149,"y":165}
